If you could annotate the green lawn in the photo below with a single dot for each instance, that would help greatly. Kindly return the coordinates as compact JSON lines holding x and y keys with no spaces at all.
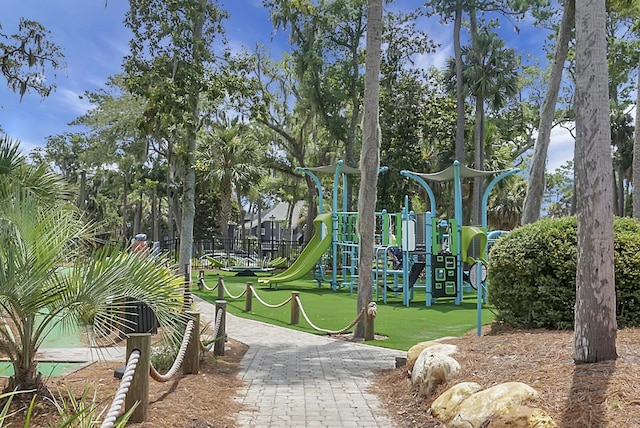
{"x":334,"y":310}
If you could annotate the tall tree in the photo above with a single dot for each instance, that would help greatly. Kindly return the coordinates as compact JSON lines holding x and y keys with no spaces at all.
{"x":595,"y":312}
{"x":490,"y":75}
{"x":326,"y":39}
{"x":535,"y":184}
{"x":369,"y":162}
{"x":636,"y":151}
{"x":229,"y":156}
{"x":170,"y":65}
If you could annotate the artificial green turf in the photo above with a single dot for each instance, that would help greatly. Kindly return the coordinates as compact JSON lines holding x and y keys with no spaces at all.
{"x":334,"y":310}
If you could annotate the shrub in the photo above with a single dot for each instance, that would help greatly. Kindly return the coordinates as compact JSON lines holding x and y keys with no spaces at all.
{"x":532,"y":274}
{"x":162,"y":357}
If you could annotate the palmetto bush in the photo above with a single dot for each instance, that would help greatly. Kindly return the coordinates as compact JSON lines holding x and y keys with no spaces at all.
{"x":53,"y":272}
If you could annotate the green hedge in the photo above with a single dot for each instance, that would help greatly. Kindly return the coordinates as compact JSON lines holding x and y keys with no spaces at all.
{"x":532,"y":274}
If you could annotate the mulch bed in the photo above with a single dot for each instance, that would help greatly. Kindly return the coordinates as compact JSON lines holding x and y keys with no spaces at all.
{"x":588,"y":395}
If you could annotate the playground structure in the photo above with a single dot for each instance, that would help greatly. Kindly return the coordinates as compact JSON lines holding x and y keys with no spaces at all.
{"x":418,"y":241}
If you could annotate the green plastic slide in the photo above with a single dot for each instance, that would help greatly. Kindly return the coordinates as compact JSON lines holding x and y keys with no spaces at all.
{"x":319,"y":243}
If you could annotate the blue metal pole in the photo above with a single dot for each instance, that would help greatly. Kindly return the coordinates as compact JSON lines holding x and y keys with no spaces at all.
{"x":485,"y":200}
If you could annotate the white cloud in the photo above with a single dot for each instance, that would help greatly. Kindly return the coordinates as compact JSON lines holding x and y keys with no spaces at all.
{"x":561,"y":148}
{"x":73,"y":100}
{"x":436,"y":59}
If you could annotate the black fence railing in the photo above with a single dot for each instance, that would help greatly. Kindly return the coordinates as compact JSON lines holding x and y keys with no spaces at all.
{"x":237,"y":251}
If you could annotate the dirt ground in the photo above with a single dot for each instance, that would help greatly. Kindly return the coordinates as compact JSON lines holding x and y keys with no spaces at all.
{"x":590,"y":395}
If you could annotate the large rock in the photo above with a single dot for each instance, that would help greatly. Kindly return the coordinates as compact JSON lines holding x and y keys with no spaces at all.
{"x":445,"y":407}
{"x":428,"y":352}
{"x":435,"y":369}
{"x":414,"y":352}
{"x":522,"y":417}
{"x":482,"y":405}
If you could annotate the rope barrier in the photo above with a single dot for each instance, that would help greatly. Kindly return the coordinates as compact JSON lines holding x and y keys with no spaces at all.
{"x":205,"y":286}
{"x":121,"y":393}
{"x":224,"y":286}
{"x":255,"y":293}
{"x":371,"y":308}
{"x":216,"y":328}
{"x":155,"y":375}
{"x":304,"y":314}
{"x":226,"y":290}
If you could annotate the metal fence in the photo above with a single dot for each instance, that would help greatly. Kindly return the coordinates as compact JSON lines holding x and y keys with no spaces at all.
{"x":238,"y":249}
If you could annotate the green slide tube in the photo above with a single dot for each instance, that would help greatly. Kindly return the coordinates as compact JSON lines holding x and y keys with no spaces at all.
{"x":319,"y":243}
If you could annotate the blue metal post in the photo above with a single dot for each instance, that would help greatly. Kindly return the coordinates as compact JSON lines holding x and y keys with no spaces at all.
{"x":485,"y":200}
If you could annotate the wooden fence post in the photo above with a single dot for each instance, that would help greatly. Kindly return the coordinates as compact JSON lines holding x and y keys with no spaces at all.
{"x":139,"y":389}
{"x":218,"y":348}
{"x":220,"y":287}
{"x":295,"y":309}
{"x":200,"y":279}
{"x":191,"y":362}
{"x":248,"y":299}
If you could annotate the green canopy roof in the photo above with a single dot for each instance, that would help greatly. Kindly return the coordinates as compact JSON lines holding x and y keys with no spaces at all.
{"x":447,"y":174}
{"x":331,"y":169}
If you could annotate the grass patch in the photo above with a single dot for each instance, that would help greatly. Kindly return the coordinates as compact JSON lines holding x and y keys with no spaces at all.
{"x":334,"y":310}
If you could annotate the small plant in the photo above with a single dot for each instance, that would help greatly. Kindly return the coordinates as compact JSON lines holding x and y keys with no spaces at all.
{"x":162,"y":357}
{"x":83,"y":412}
{"x":7,"y":397}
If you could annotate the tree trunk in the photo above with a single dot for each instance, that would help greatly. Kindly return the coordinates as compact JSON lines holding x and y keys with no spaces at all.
{"x":241,"y":219}
{"x":125,"y":215}
{"x":82,"y":195}
{"x":137,"y":217}
{"x":312,"y":208}
{"x":369,"y":162}
{"x":595,"y":311}
{"x":155,"y":209}
{"x":478,"y":160}
{"x":189,"y":184}
{"x":636,"y":156}
{"x":459,"y":88}
{"x":173,"y":196}
{"x":225,"y":204}
{"x":536,"y":182}
{"x":188,"y":208}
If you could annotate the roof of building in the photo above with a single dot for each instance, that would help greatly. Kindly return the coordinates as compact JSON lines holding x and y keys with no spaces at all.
{"x":279,"y":213}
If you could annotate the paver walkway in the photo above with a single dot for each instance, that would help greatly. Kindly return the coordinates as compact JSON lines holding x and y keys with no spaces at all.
{"x":296,"y":379}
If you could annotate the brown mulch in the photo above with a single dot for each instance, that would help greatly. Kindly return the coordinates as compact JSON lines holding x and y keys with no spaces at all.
{"x":191,"y":401}
{"x":589,"y":395}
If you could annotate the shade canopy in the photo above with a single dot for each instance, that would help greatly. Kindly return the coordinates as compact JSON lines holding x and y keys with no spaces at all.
{"x":331,"y":169}
{"x":448,"y":173}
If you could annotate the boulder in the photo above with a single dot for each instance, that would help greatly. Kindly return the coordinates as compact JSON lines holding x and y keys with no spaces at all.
{"x":445,"y":407}
{"x":427,"y":352}
{"x":414,"y":352}
{"x":481,"y":406}
{"x":434,"y":370}
{"x":522,"y":417}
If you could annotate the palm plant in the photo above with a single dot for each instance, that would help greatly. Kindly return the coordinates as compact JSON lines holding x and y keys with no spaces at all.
{"x":490,"y":75}
{"x":229,"y":155}
{"x":40,"y":233}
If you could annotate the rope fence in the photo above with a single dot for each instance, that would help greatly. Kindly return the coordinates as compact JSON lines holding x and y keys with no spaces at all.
{"x":296,"y":305}
{"x":133,"y":390}
{"x":121,"y":393}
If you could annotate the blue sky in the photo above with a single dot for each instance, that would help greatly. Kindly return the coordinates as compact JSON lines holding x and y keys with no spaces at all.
{"x":95,"y":40}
